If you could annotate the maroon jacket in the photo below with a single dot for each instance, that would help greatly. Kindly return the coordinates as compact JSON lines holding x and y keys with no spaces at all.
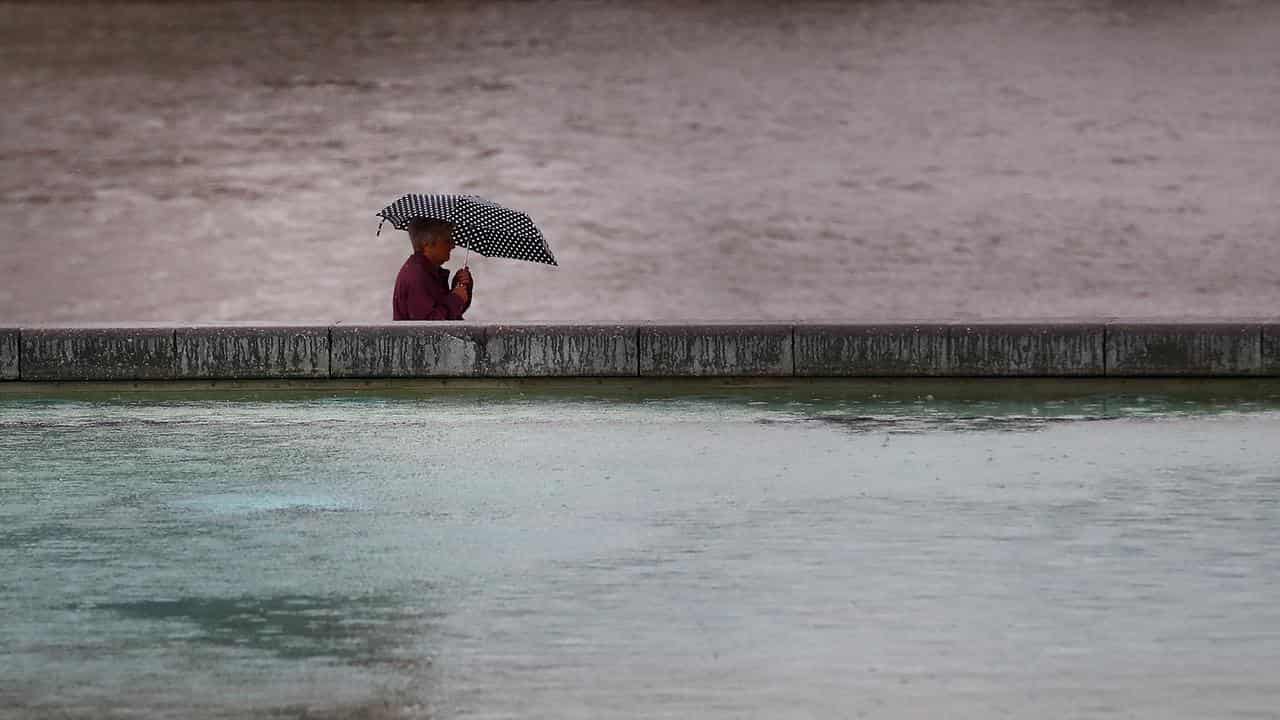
{"x":422,"y":293}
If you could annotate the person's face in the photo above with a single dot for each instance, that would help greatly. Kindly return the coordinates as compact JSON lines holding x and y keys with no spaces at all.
{"x":437,"y":249}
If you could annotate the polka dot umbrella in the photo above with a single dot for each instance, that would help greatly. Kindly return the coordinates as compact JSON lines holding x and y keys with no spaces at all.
{"x":479,"y":225}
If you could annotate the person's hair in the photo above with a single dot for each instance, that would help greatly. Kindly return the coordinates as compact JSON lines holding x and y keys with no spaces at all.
{"x":422,"y":231}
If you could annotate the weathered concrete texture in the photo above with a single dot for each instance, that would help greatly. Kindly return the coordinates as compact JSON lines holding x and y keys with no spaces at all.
{"x":716,"y":350}
{"x":561,"y":350}
{"x":98,"y":353}
{"x":253,"y":352}
{"x":8,"y":353}
{"x":1271,"y":349}
{"x":1026,"y":349}
{"x":1187,"y":349}
{"x":1248,"y":347}
{"x":879,"y":350}
{"x":406,"y":349}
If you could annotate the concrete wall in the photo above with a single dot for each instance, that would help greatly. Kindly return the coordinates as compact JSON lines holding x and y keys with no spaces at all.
{"x":406,"y":350}
{"x":97,"y":353}
{"x":259,"y":351}
{"x":1028,"y":350}
{"x":8,"y":353}
{"x":1271,"y":349}
{"x":716,"y":350}
{"x":561,"y":351}
{"x":882,"y":350}
{"x":456,"y":349}
{"x":1217,"y":349}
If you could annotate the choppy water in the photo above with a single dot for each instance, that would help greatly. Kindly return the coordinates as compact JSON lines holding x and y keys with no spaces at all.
{"x":762,"y":554}
{"x":991,"y":158}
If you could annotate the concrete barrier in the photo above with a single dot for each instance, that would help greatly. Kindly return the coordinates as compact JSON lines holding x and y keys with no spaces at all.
{"x":716,"y":350}
{"x":455,"y":349}
{"x":97,"y":353}
{"x":406,"y":349}
{"x":1184,"y":349}
{"x":243,"y":352}
{"x":880,"y":350}
{"x":8,"y":353}
{"x":1026,"y":350}
{"x":1271,"y":349}
{"x":561,"y":351}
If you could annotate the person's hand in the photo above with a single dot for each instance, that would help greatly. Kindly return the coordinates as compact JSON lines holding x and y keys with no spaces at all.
{"x":463,"y":277}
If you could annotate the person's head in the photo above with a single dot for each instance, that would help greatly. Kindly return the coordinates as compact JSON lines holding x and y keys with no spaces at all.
{"x":433,"y":239}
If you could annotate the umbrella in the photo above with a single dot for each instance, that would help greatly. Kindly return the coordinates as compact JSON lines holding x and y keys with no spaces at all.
{"x":479,"y":225}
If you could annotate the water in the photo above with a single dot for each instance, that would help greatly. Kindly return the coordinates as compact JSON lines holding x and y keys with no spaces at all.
{"x":188,"y":161}
{"x":765,"y":552}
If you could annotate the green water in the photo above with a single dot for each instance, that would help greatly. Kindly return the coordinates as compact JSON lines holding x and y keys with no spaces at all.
{"x":808,"y":551}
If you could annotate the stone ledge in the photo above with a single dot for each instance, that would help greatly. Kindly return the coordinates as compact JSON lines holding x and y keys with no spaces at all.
{"x":89,"y":353}
{"x":716,"y":350}
{"x":1027,"y":350}
{"x":406,"y":349}
{"x":546,"y":350}
{"x":9,"y":339}
{"x":258,"y":351}
{"x":1184,"y":349}
{"x":97,"y":353}
{"x":878,"y":350}
{"x":1271,"y":348}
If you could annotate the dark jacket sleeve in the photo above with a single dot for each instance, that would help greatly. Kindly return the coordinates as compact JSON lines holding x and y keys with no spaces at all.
{"x":421,"y":306}
{"x":416,"y":303}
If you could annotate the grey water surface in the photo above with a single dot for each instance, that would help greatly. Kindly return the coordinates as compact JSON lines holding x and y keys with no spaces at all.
{"x":777,"y":554}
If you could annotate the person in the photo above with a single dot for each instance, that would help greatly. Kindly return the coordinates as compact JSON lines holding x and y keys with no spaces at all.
{"x":423,"y":290}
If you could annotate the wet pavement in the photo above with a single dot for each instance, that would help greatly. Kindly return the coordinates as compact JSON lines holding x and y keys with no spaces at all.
{"x":223,"y":161}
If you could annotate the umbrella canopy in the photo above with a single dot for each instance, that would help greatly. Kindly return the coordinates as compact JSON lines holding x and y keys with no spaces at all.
{"x":479,"y":225}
